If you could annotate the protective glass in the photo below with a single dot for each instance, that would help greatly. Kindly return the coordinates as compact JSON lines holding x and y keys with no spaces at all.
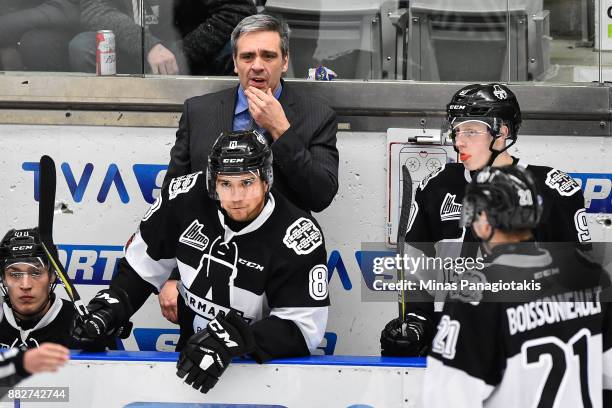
{"x":470,"y":133}
{"x":17,"y":270}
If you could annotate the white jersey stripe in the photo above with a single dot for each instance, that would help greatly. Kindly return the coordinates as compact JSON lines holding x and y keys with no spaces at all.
{"x":310,"y":320}
{"x":152,"y":271}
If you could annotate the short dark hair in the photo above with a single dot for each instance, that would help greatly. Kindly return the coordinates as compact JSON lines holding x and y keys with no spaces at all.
{"x":262,"y":22}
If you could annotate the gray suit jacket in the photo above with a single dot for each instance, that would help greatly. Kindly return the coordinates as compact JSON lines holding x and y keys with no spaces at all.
{"x":305,"y":157}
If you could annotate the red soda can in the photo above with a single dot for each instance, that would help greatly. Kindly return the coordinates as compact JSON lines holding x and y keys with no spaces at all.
{"x":105,"y":53}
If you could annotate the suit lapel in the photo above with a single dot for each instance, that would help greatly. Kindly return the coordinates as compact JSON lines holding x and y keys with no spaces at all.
{"x":224,"y":119}
{"x":287,"y":101}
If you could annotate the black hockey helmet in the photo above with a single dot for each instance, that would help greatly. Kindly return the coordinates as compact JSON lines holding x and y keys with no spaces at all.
{"x":508,"y":195}
{"x":22,"y":246}
{"x":493,"y":104}
{"x":239,"y":152}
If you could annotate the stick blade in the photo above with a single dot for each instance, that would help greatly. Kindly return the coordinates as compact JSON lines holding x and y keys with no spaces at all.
{"x":46,"y":205}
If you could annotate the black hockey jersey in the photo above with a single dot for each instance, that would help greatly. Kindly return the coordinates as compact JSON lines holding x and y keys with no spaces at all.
{"x":53,"y":327}
{"x":552,"y":349}
{"x":273,"y":271}
{"x":433,"y":226}
{"x":436,"y":210}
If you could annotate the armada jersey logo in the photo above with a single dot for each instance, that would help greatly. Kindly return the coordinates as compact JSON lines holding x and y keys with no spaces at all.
{"x":450,"y":210}
{"x":183,"y":184}
{"x":194,"y":237}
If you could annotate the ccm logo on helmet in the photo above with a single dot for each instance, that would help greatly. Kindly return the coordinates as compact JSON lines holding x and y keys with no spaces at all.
{"x":23,"y":248}
{"x":233,"y":160}
{"x":456,"y":107}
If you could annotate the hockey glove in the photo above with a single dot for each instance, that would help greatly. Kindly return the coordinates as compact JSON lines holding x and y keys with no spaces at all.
{"x":109,"y":313}
{"x":409,"y":339}
{"x":209,"y":352}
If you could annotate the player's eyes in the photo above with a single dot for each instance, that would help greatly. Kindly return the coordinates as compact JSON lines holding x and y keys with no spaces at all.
{"x":21,"y":275}
{"x":470,"y":133}
{"x":225,"y":184}
{"x":247,"y":183}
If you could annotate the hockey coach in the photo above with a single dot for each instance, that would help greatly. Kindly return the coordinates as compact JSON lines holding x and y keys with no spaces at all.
{"x":252,"y":265}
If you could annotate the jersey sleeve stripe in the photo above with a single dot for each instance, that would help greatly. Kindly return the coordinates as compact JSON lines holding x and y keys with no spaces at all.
{"x":460,"y":389}
{"x":155,"y":272}
{"x":310,"y":320}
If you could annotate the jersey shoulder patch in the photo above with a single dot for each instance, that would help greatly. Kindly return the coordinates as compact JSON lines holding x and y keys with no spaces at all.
{"x":182,"y":184}
{"x":430,"y":176}
{"x":562,"y":182}
{"x":303,"y":236}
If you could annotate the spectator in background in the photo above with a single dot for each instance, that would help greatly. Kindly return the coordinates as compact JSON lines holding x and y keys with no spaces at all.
{"x":180,"y":36}
{"x":34,"y":34}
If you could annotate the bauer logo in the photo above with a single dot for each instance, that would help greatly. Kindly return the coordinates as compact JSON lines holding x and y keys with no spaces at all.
{"x":89,"y":181}
{"x":597,"y":189}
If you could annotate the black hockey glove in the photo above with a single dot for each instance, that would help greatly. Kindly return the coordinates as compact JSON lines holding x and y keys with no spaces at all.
{"x":109,"y":313}
{"x":411,"y":339}
{"x":208,"y":352}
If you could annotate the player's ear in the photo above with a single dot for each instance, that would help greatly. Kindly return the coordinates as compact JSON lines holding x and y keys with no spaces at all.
{"x":52,"y":278}
{"x":481,"y":226}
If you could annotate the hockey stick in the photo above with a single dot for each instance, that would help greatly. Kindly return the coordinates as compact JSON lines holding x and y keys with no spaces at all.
{"x":401,"y":235}
{"x":45,"y":229}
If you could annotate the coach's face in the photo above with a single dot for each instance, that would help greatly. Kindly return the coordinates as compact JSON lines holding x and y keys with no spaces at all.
{"x":259,"y":61}
{"x":242,"y":196}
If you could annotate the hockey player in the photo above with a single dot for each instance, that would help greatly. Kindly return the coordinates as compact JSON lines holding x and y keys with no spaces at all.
{"x":483,"y":120}
{"x":16,"y":364}
{"x":252,"y":265}
{"x":31,"y":313}
{"x":553,"y":347}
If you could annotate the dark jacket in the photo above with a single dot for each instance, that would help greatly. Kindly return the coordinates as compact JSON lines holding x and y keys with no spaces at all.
{"x":19,"y":16}
{"x":202,"y":26}
{"x":305,"y":157}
